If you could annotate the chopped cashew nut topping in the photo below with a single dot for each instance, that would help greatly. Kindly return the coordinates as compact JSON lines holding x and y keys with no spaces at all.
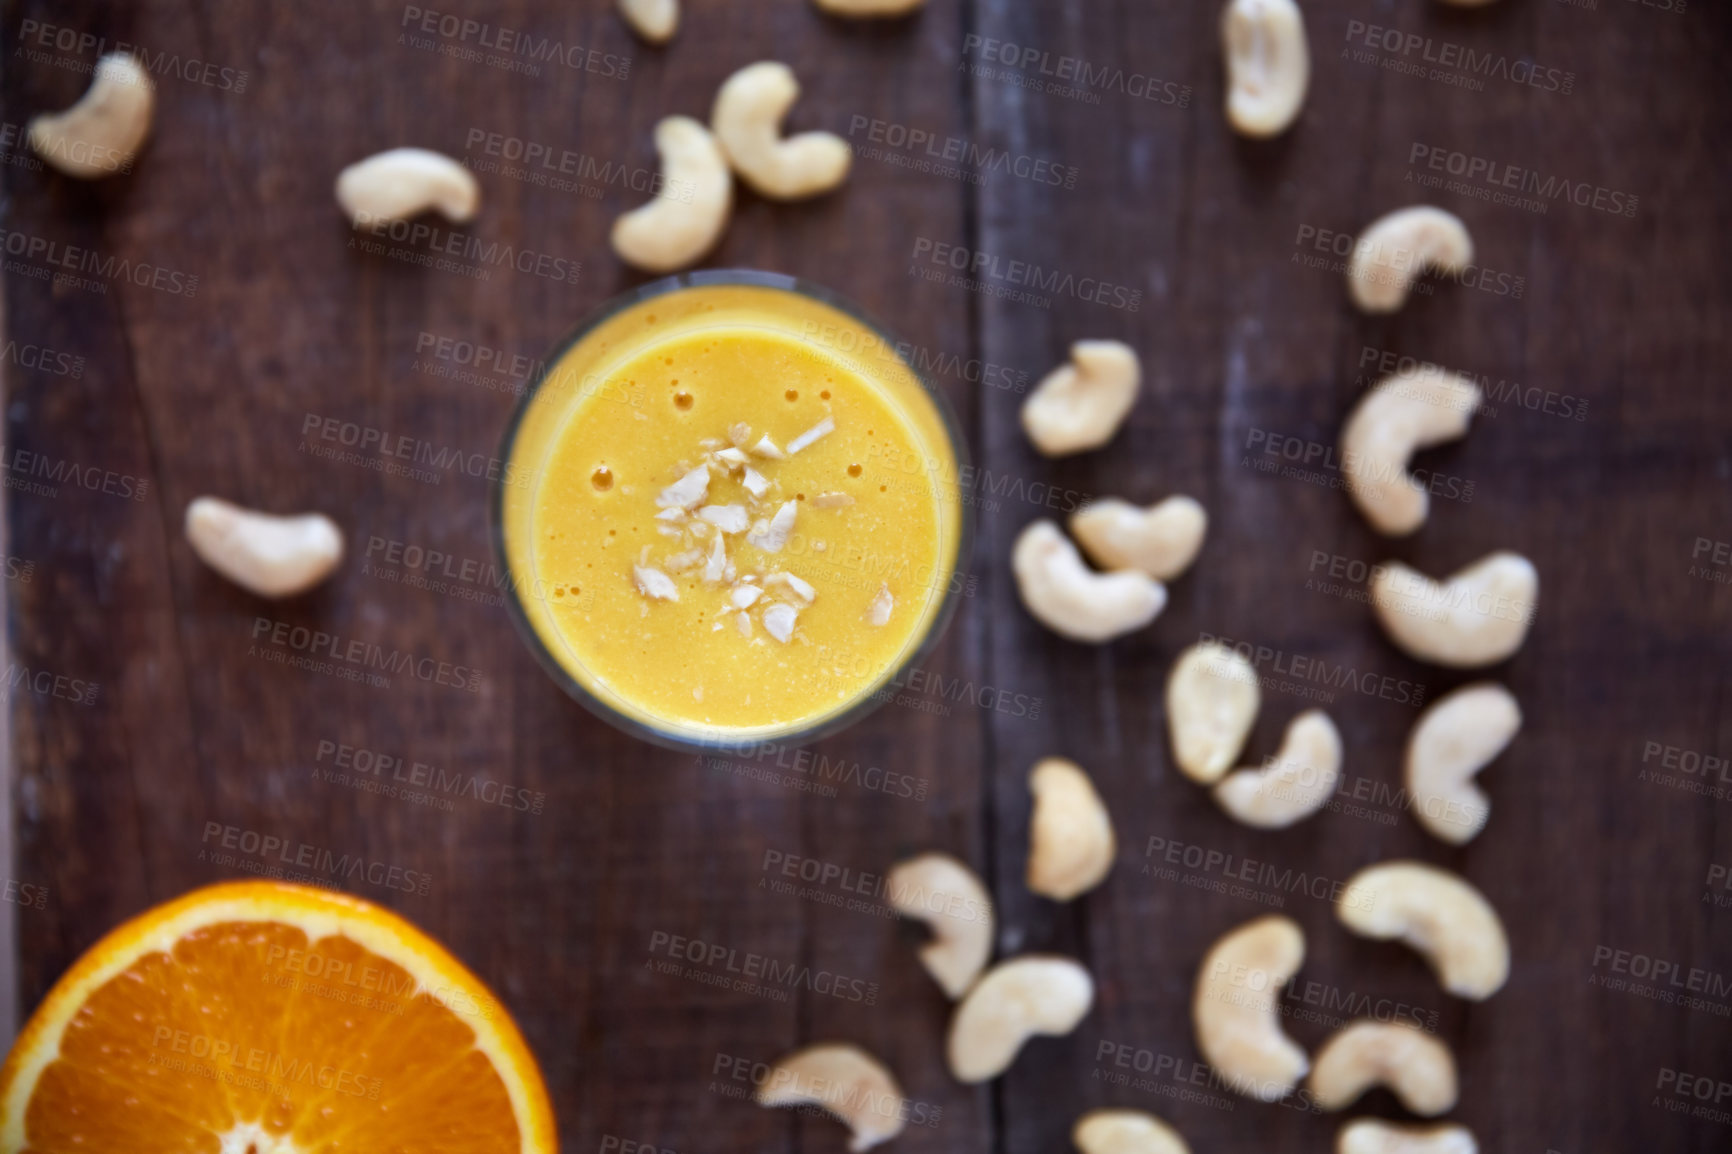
{"x":779,"y":621}
{"x":868,"y":9}
{"x":1295,"y":783}
{"x":801,"y":589}
{"x":883,"y":605}
{"x":1161,"y":540}
{"x":687,"y":216}
{"x":744,"y":596}
{"x":1478,"y":616}
{"x":652,"y":582}
{"x":272,"y":556}
{"x":1071,"y":844}
{"x":1234,"y":1007}
{"x":688,"y":491}
{"x":1082,"y":404}
{"x":1212,"y":702}
{"x":773,"y":534}
{"x":817,"y":432}
{"x":747,"y":120}
{"x":1391,"y":253}
{"x":1375,"y":1136}
{"x":937,"y":889}
{"x":1073,"y":600}
{"x":1400,"y":415}
{"x":1452,"y":741}
{"x":1012,"y":1002}
{"x":727,"y":518}
{"x":754,"y":482}
{"x":102,"y":133}
{"x":1437,"y":913}
{"x":1125,"y":1132}
{"x":844,"y":1081}
{"x":1268,"y":65}
{"x":832,"y":500}
{"x":406,"y":182}
{"x":1363,"y":1054}
{"x":767,"y":448}
{"x":654,"y":20}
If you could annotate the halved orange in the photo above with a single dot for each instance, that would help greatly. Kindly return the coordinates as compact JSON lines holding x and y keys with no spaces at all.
{"x":267,"y":1018}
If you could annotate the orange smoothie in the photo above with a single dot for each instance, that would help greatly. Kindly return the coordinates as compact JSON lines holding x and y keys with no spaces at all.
{"x":733,"y":514}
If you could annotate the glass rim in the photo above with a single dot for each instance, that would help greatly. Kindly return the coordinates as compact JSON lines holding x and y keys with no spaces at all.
{"x":870,"y":699}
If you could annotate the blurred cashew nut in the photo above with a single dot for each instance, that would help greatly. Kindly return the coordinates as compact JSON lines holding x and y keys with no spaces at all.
{"x":1375,"y":1136}
{"x":1477,"y":616}
{"x":1395,"y":249}
{"x":100,"y":134}
{"x":1212,"y":702}
{"x":845,"y":1081}
{"x":401,"y":183}
{"x":1125,"y":1132}
{"x":1399,"y":416}
{"x":686,"y":218}
{"x":1073,"y":600}
{"x":655,"y":21}
{"x":1234,"y":1008}
{"x":1268,"y":65}
{"x":1161,"y":540}
{"x":747,"y":121}
{"x":1071,"y":843}
{"x":1453,"y":740}
{"x":1436,"y":912}
{"x":1081,"y":405}
{"x":937,"y":889}
{"x":1295,"y":783}
{"x":270,"y":555}
{"x":1013,"y":1002}
{"x":1412,"y":1063}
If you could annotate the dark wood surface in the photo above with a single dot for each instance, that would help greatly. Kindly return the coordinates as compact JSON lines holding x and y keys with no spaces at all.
{"x":563,"y":907}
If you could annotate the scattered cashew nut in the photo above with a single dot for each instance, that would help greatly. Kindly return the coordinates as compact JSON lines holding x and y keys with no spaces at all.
{"x":1478,"y":616}
{"x":945,"y":894}
{"x":747,"y":120}
{"x":1234,"y":1013}
{"x":1268,"y":65}
{"x":868,"y":9}
{"x":1437,"y":913}
{"x":99,"y":135}
{"x":1400,"y":415}
{"x":1295,"y":784}
{"x":845,"y":1081}
{"x":687,"y":216}
{"x":1392,"y":252}
{"x":654,"y":20}
{"x":401,"y":183}
{"x":1125,"y":1132}
{"x":1081,"y":405}
{"x":1375,"y":1136}
{"x":1073,"y":600}
{"x":1453,"y":740}
{"x":1412,"y":1063}
{"x":1212,"y":702}
{"x":272,"y":556}
{"x":1071,"y":843}
{"x":1161,"y":540}
{"x":1014,"y":1001}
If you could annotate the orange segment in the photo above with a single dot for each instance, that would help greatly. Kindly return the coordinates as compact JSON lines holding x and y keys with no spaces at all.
{"x":274,"y":1019}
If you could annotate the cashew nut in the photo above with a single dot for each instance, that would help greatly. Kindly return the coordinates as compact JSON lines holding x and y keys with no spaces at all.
{"x":1478,"y":616}
{"x":1363,"y":1054}
{"x":1390,"y":255}
{"x":1072,"y":599}
{"x":1437,"y":913}
{"x":937,"y":889}
{"x":845,"y":1081}
{"x":1071,"y":843}
{"x":687,"y":216}
{"x":404,"y":182}
{"x":747,"y":121}
{"x":1014,"y":1001}
{"x":1161,"y":540}
{"x":272,"y":556}
{"x":1398,"y":417}
{"x":1455,"y":739}
{"x":1233,"y":1010}
{"x":1212,"y":702}
{"x":1295,"y":784}
{"x":99,"y":135}
{"x":654,"y":20}
{"x":1374,"y":1136}
{"x":1268,"y":65}
{"x":868,"y":9}
{"x":1081,"y":405}
{"x":1125,"y":1132}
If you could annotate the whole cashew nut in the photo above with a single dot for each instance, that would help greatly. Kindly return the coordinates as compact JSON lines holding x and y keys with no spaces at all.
{"x":1399,"y":416}
{"x":655,"y":21}
{"x":1295,"y":784}
{"x":945,"y":894}
{"x":1478,"y":616}
{"x":1014,"y":1001}
{"x":844,"y":1081}
{"x":1268,"y":65}
{"x":747,"y":119}
{"x":1375,"y":1136}
{"x":1081,"y":405}
{"x":1212,"y":702}
{"x":99,"y":135}
{"x":1233,"y":1009}
{"x":1070,"y":598}
{"x":272,"y":556}
{"x":1437,"y":913}
{"x":1456,"y":738}
{"x":1415,"y":1065}
{"x":1392,"y":252}
{"x":1125,"y":1132}
{"x":1161,"y":540}
{"x":1071,"y":843}
{"x":401,"y":183}
{"x":687,"y":216}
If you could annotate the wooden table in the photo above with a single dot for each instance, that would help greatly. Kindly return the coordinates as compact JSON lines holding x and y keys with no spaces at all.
{"x":191,"y":319}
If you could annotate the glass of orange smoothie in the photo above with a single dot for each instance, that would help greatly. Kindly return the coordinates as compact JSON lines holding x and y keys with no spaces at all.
{"x":731,"y":512}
